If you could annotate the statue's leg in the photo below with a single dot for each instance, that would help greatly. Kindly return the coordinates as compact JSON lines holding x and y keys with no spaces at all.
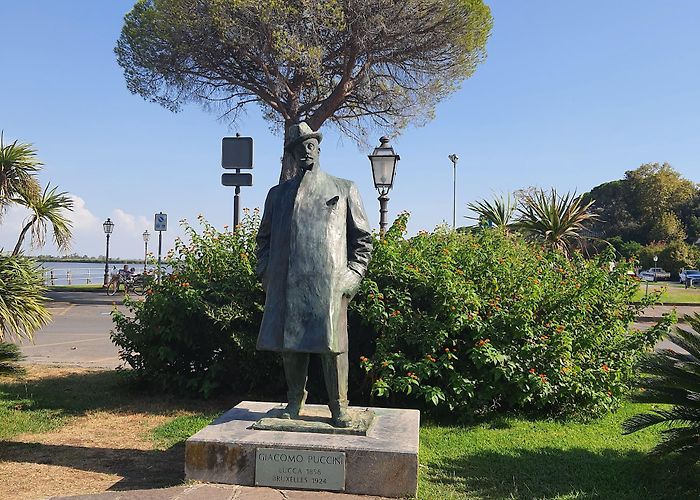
{"x":335,"y":371}
{"x":296,"y":368}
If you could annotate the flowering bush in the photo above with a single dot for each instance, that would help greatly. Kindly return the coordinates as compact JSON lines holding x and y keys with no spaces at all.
{"x":195,"y":332}
{"x":445,"y":320}
{"x":485,"y":321}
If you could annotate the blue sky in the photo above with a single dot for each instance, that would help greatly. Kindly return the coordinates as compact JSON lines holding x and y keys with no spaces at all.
{"x":572,"y":94}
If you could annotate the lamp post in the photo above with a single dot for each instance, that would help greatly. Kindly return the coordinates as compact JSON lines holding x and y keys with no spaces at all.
{"x":383,"y":160}
{"x":453,"y":158}
{"x":108,"y":227}
{"x":145,"y":235}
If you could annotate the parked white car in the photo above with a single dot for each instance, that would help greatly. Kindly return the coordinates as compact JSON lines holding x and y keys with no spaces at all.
{"x":656,"y":273}
{"x":647,"y":276}
{"x":688,"y":274}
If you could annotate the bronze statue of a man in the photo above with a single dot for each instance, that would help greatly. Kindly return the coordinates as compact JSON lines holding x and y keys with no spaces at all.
{"x":314,"y":245}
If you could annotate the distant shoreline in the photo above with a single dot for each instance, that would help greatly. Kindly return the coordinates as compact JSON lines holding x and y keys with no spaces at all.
{"x":85,"y":260}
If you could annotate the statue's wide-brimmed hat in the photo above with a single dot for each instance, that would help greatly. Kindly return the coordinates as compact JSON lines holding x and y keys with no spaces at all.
{"x":299,"y":133}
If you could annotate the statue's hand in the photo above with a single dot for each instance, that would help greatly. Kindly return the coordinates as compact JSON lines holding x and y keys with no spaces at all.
{"x":350,"y":282}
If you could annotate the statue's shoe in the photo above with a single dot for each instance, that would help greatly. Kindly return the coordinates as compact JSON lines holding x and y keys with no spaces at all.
{"x":292,"y":410}
{"x":341,"y":417}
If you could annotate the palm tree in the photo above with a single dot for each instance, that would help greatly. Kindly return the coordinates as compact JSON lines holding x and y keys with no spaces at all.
{"x":557,"y":221}
{"x":22,"y":309}
{"x":48,"y":208}
{"x":673,"y":378}
{"x":498,"y":213}
{"x":18,"y":166}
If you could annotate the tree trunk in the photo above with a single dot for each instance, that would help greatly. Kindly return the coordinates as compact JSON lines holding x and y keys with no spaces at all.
{"x":26,"y":228}
{"x":289,"y":168}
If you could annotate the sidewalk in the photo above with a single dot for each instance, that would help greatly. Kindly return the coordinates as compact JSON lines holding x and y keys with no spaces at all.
{"x":654,"y":313}
{"x":219,"y":492}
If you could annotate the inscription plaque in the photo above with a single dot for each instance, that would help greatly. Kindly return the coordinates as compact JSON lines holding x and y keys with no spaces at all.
{"x":301,"y":469}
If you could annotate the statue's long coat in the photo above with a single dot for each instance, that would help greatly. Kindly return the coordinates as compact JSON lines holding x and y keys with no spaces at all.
{"x":314,"y":245}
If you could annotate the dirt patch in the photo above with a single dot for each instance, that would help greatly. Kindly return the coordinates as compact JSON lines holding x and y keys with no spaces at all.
{"x":103,"y":448}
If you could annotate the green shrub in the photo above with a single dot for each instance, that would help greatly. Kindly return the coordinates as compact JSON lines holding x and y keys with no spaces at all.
{"x":445,"y":320}
{"x":195,"y":332}
{"x":485,"y":321}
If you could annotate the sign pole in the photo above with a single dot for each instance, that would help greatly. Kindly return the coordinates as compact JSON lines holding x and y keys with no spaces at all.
{"x":236,"y":205}
{"x":160,"y":225}
{"x":160,"y":246}
{"x":237,"y":154}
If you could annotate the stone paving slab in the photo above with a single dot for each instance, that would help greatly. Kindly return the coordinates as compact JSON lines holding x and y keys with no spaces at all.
{"x":218,"y":492}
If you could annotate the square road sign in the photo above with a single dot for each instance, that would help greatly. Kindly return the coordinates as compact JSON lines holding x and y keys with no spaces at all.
{"x":237,"y":152}
{"x":161,"y":222}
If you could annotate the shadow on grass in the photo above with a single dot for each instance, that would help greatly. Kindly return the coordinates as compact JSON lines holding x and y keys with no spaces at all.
{"x":554,"y":473}
{"x":139,"y":469}
{"x":80,"y":392}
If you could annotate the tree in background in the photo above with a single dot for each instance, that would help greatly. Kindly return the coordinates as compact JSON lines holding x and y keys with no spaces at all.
{"x":652,"y":203}
{"x":359,"y":65}
{"x":48,"y":208}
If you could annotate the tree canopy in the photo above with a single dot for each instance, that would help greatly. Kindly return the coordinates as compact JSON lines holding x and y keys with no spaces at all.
{"x":358,"y":64}
{"x":652,"y":203}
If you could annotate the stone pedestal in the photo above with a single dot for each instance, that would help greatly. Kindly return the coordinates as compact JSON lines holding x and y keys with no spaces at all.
{"x":384,"y":462}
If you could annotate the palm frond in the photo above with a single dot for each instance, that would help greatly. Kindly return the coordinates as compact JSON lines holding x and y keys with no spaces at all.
{"x":22,"y":302}
{"x":682,"y":440}
{"x":47,"y":209}
{"x":18,"y":168}
{"x":557,"y":221}
{"x":686,"y":339}
{"x":498,"y":212}
{"x":673,"y":377}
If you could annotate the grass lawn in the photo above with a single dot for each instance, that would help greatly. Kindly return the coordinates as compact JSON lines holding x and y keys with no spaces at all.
{"x":95,"y":433}
{"x":671,"y":292}
{"x":518,"y":458}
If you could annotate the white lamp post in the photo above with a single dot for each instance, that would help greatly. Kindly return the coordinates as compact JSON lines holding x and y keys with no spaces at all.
{"x":146,"y":235}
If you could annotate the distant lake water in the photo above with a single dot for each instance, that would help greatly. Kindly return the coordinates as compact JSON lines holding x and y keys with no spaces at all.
{"x":84,"y":273}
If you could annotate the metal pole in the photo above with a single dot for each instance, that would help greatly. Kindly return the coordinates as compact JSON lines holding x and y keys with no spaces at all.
{"x":453,"y":157}
{"x":145,"y":255}
{"x":236,"y":207}
{"x":107,"y":261}
{"x":160,"y":245}
{"x":454,"y":195}
{"x":383,"y":202}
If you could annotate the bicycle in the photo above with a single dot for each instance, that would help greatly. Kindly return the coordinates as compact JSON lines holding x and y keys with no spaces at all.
{"x":135,"y":283}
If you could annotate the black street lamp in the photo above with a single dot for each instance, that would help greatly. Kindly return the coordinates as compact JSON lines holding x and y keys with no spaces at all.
{"x":383,"y":160}
{"x":145,"y":235}
{"x":108,"y":227}
{"x":453,"y":158}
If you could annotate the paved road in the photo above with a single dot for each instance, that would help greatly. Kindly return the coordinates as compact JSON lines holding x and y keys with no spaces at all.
{"x":78,"y":333}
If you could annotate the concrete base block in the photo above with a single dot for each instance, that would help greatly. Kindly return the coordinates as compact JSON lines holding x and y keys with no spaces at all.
{"x":382,"y":463}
